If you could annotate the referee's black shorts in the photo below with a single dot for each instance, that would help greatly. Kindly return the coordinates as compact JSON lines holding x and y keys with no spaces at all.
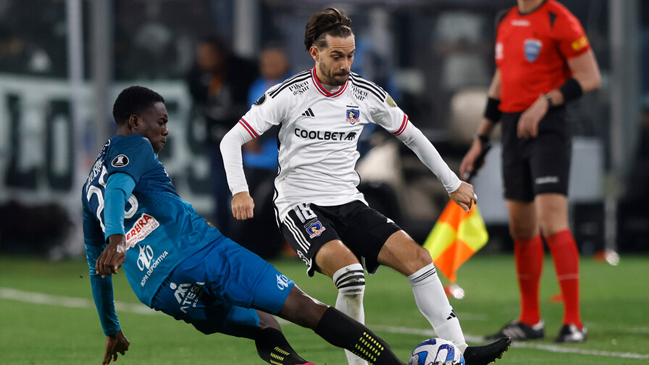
{"x":307,"y":227}
{"x":537,"y":165}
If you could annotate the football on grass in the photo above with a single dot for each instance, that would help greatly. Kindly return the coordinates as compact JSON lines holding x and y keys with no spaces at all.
{"x":436,"y":351}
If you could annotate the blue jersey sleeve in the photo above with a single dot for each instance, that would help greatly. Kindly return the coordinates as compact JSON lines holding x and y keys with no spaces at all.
{"x":119,"y":187}
{"x":102,"y":289}
{"x":92,"y":233}
{"x":132,"y":155}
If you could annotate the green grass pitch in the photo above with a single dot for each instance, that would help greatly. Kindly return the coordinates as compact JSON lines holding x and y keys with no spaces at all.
{"x":47,"y":316}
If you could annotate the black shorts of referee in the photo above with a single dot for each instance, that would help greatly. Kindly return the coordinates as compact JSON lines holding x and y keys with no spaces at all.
{"x":536,"y":165}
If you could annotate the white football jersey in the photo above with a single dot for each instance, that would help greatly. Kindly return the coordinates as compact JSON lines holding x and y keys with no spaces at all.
{"x":318,"y":136}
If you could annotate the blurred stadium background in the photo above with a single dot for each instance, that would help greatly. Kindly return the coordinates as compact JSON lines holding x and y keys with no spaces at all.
{"x":62,"y":63}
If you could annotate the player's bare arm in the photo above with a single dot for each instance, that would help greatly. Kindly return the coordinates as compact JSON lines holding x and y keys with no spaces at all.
{"x":584,"y":69}
{"x":484,"y":129}
{"x":243,"y":206}
{"x":113,"y":256}
{"x":115,"y":343}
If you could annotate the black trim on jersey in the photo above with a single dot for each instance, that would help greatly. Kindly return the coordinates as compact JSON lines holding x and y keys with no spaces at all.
{"x":501,"y":16}
{"x":553,"y":17}
{"x":369,"y":86}
{"x":358,"y":78}
{"x":275,"y":195}
{"x":368,"y":89}
{"x":299,"y":74}
{"x":284,"y":86}
{"x":297,"y":78}
{"x":275,"y":192}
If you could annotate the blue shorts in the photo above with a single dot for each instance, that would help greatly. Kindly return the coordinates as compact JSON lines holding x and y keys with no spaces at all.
{"x":219,"y":288}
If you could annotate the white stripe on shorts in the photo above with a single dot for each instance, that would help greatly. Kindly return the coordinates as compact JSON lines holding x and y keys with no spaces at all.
{"x":296,"y":234}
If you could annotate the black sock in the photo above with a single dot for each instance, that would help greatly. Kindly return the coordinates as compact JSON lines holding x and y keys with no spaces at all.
{"x":342,"y":331}
{"x":273,"y":348}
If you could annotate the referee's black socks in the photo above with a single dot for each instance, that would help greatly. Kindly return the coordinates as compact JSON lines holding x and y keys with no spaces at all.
{"x":342,"y":331}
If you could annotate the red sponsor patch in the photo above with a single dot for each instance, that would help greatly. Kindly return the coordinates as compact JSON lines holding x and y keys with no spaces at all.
{"x":142,"y":228}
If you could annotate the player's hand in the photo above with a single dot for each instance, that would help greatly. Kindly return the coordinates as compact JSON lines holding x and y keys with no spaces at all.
{"x":528,"y":123}
{"x":112,"y":257}
{"x":242,"y":206}
{"x":115,"y":343}
{"x":468,"y":162}
{"x":464,"y":196}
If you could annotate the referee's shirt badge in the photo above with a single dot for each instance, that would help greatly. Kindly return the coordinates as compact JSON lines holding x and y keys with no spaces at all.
{"x":532,"y":48}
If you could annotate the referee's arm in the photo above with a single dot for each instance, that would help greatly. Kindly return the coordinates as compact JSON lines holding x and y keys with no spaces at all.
{"x":585,"y":77}
{"x":487,"y":125}
{"x":484,"y":130}
{"x":585,"y":70}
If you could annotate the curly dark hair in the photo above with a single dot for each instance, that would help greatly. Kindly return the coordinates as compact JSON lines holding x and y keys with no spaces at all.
{"x":132,"y":101}
{"x":329,"y":21}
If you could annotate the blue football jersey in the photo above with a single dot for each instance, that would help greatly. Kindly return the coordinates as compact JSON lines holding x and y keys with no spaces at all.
{"x":161,"y":229}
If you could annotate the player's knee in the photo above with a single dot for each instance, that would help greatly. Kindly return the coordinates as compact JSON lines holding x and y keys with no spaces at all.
{"x":301,"y":309}
{"x":350,"y":280}
{"x":267,"y":320}
{"x":421,"y":256}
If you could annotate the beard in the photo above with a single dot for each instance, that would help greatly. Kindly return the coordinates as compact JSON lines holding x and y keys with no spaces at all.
{"x":334,"y":78}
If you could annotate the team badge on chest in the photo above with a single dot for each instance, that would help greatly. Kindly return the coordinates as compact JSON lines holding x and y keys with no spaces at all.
{"x":532,"y":48}
{"x":352,"y":116}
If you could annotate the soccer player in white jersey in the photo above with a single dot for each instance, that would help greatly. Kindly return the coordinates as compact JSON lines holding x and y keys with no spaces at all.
{"x":321,"y":113}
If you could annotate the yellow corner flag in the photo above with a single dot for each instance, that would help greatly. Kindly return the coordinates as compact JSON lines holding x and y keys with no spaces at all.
{"x":456,"y":236}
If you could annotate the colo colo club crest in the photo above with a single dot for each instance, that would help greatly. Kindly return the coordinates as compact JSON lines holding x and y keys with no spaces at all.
{"x":352,"y":116}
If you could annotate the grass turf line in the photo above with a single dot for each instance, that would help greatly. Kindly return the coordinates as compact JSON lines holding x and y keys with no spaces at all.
{"x":613,"y":305}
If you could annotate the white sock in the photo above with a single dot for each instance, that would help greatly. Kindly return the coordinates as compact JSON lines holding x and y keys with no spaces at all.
{"x":350,"y":281}
{"x":434,"y":305}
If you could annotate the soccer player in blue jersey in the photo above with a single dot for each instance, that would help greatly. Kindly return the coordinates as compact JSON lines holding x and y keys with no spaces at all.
{"x":178,"y":263}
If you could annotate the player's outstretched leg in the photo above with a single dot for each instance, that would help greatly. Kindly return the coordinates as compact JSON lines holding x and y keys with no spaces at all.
{"x":337,"y":328}
{"x":483,"y":355}
{"x":403,"y":254}
{"x":271,"y":344}
{"x":434,"y":305}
